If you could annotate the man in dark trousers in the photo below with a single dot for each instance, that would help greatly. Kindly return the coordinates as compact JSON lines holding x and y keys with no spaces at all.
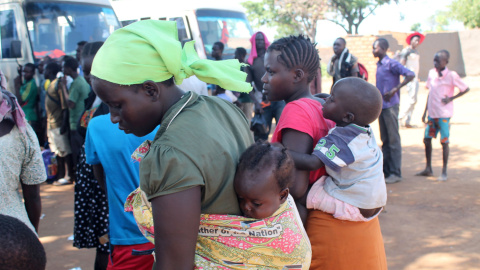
{"x":388,"y":82}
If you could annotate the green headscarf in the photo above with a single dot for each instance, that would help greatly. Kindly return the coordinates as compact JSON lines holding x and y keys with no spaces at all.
{"x":150,"y":50}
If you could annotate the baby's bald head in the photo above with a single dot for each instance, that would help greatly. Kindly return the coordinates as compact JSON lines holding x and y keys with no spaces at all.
{"x":360,"y":98}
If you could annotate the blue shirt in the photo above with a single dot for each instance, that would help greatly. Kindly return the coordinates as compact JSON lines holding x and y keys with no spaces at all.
{"x":388,"y":77}
{"x":107,"y":145}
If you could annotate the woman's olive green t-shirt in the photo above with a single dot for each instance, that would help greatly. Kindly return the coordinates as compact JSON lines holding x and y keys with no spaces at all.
{"x":199,"y":143}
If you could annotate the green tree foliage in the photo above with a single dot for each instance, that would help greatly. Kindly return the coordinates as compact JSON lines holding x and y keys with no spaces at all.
{"x":265,"y":13}
{"x":439,"y":21}
{"x":349,"y":14}
{"x":416,"y":27}
{"x":466,"y":11}
{"x":289,"y":17}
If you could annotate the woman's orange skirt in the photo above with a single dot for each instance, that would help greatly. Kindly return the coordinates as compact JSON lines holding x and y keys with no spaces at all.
{"x":345,"y":245}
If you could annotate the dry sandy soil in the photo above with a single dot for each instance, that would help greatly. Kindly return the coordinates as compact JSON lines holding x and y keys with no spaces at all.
{"x":427,"y":224}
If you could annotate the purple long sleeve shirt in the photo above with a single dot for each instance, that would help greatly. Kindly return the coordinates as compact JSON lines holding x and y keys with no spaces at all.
{"x":388,"y":76}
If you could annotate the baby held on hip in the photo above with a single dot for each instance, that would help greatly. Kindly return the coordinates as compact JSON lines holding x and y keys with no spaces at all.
{"x":355,"y":188}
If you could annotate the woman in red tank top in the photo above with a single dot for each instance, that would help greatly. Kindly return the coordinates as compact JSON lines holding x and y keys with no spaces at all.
{"x":291,"y":63}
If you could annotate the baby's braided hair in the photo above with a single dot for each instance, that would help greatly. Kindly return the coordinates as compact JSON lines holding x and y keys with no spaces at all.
{"x":297,"y":51}
{"x":263,"y":155}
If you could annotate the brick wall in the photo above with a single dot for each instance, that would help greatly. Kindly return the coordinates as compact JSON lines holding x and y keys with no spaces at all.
{"x":361,"y":47}
{"x":461,"y":45}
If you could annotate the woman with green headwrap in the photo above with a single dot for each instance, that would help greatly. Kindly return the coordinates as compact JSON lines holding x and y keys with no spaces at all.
{"x":190,"y":166}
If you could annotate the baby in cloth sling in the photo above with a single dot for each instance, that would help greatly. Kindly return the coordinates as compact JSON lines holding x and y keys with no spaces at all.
{"x":355,"y":188}
{"x":270,"y":235}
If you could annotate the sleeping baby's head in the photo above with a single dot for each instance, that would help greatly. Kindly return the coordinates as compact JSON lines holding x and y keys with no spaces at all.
{"x":263,"y":175}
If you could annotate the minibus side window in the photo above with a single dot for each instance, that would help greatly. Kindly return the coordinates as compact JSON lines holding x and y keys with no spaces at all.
{"x":8,"y":30}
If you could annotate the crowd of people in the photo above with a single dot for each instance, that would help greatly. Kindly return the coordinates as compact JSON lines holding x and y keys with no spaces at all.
{"x":142,"y":133}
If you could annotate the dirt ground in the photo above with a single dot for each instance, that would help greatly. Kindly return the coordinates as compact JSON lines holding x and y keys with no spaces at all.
{"x":427,"y":224}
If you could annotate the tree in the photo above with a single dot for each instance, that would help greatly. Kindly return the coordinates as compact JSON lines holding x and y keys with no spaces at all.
{"x":305,"y":12}
{"x":416,"y":27}
{"x":351,"y":13}
{"x":264,"y":13}
{"x":439,"y":21}
{"x":289,"y":17}
{"x":466,"y":11}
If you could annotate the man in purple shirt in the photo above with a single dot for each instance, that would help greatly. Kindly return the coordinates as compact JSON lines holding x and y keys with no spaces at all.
{"x":388,"y":82}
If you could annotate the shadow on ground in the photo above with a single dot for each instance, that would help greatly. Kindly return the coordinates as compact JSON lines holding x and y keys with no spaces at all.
{"x":55,"y":228}
{"x":430,"y":224}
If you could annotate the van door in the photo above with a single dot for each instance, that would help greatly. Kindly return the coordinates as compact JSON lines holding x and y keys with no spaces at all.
{"x":13,"y":28}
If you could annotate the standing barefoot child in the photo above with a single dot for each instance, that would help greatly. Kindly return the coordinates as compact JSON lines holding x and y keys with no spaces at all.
{"x":355,"y":188}
{"x":441,"y":82}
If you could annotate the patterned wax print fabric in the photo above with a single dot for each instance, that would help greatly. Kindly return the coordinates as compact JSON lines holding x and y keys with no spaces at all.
{"x":354,"y":163}
{"x":91,"y":208}
{"x":436,"y":125}
{"x":20,"y":162}
{"x":236,"y":242}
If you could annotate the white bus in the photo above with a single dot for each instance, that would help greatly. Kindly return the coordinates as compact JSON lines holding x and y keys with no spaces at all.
{"x":31,"y":30}
{"x":206,"y":24}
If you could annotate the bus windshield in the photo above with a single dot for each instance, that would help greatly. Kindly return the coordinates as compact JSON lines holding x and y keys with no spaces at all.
{"x":55,"y":28}
{"x":229,"y":27}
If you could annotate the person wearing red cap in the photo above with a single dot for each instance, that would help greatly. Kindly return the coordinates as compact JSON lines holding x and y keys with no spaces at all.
{"x":410,"y":58}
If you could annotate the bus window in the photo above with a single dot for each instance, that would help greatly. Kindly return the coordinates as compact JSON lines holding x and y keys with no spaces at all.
{"x":8,"y":32}
{"x":55,"y":28}
{"x":229,"y":27}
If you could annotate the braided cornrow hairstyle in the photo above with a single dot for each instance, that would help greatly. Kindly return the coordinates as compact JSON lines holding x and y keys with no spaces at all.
{"x":297,"y":51}
{"x":263,"y":155}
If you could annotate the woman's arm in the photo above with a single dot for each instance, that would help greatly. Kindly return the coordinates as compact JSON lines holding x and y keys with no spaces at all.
{"x":301,"y":143}
{"x":33,"y":203}
{"x":176,"y":220}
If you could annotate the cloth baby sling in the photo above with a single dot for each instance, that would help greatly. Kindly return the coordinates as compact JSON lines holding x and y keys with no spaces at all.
{"x":236,"y":242}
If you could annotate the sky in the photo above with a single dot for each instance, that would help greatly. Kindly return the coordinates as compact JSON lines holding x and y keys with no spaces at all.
{"x":387,"y":17}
